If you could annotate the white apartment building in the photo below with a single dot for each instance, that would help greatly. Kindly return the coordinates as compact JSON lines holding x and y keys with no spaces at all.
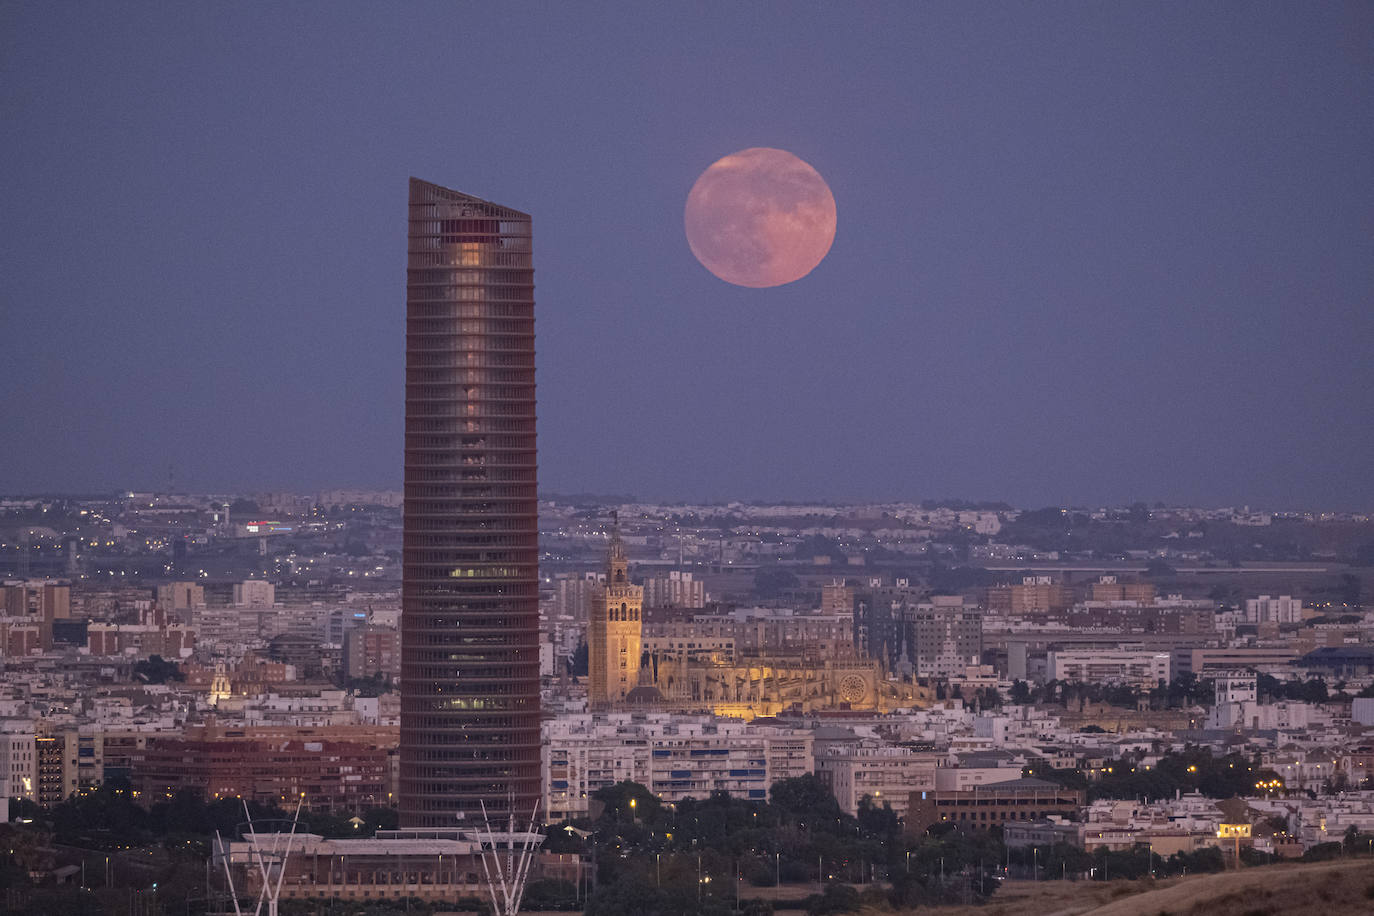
{"x":329,"y":707}
{"x":674,"y":757}
{"x":255,"y":624}
{"x":1237,"y":706}
{"x":254,"y":593}
{"x":885,"y":773}
{"x":1264,"y":609}
{"x":18,"y":763}
{"x":572,"y":595}
{"x":677,"y":589}
{"x":1140,"y":667}
{"x":181,"y":596}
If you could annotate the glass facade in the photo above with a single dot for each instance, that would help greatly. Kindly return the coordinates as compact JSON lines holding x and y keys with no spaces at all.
{"x":470,"y":593}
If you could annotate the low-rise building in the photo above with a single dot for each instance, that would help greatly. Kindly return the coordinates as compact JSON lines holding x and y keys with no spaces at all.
{"x":1139,"y":667}
{"x":1020,"y":800}
{"x":674,"y":757}
{"x":437,"y":865}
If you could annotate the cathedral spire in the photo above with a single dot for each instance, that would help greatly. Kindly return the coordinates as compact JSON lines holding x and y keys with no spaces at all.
{"x":617,"y":567}
{"x":617,"y":545}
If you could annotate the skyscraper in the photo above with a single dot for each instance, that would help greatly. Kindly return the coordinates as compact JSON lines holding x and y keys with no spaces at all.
{"x":470,"y":593}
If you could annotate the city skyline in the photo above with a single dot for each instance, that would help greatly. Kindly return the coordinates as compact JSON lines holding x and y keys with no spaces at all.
{"x":1086,"y":255}
{"x":710,"y":680}
{"x":993,"y":380}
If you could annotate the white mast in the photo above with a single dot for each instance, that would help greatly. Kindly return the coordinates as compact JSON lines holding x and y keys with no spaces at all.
{"x":507,"y":875}
{"x":270,"y":863}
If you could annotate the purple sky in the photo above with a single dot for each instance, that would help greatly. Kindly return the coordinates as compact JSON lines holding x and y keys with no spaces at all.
{"x":1089,"y":252}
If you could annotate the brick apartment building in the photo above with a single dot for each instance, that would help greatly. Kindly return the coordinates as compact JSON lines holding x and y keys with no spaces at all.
{"x":331,"y":775}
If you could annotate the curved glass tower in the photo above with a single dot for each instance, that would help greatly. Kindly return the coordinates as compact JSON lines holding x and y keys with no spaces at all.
{"x":470,"y":592}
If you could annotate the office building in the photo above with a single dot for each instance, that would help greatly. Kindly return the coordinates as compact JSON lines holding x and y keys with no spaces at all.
{"x":470,"y":580}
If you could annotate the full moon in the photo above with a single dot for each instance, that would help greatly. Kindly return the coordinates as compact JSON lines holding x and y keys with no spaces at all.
{"x":760,"y":217}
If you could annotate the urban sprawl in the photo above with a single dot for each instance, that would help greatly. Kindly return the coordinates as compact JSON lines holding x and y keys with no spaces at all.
{"x":806,"y":703}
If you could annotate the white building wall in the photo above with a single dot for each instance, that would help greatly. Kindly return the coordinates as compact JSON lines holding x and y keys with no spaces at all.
{"x":1264,"y":609}
{"x":18,"y":765}
{"x":1106,"y":666}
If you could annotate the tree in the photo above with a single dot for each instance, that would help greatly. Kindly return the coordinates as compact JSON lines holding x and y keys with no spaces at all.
{"x":882,"y":823}
{"x":156,"y":670}
{"x":1314,"y":691}
{"x":837,"y":898}
{"x":1159,"y":569}
{"x":550,"y":894}
{"x":628,"y":801}
{"x":805,"y":796}
{"x":1020,"y":693}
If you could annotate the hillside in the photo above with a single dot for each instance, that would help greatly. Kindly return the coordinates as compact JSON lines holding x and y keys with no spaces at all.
{"x":1343,"y":886}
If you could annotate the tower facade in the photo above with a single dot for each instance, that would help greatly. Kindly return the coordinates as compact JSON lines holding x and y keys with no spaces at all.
{"x":614,"y":632}
{"x":470,"y":587}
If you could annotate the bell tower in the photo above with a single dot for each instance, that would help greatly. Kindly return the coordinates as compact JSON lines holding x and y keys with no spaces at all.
{"x":614,"y":639}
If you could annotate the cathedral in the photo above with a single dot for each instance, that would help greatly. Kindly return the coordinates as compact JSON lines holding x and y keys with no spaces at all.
{"x":622,"y":674}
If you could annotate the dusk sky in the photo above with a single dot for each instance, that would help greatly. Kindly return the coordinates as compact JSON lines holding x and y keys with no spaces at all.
{"x":1087,"y":253}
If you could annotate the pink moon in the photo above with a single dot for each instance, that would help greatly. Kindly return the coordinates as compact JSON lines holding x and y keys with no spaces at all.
{"x":760,"y":217}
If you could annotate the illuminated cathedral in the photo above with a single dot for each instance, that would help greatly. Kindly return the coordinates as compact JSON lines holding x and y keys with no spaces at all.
{"x":622,"y":674}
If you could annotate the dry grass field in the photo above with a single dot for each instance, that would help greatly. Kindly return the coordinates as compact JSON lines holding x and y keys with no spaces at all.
{"x":1327,"y":888}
